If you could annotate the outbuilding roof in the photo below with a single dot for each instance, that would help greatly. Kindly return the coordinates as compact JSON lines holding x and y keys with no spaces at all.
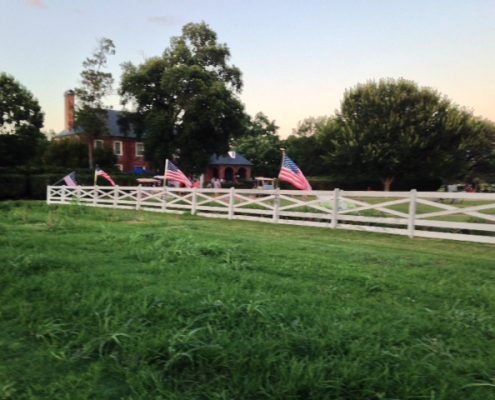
{"x":233,"y":158}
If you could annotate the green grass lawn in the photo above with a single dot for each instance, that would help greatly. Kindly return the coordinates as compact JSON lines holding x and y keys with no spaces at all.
{"x":104,"y":304}
{"x":404,"y":208}
{"x":423,"y":208}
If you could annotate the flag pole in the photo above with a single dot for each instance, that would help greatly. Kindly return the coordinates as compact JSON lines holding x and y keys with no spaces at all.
{"x":165,"y":173}
{"x":282,"y":149}
{"x":94,"y":183}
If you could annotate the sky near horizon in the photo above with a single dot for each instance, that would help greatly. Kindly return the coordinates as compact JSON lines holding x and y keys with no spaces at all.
{"x":297,"y":57}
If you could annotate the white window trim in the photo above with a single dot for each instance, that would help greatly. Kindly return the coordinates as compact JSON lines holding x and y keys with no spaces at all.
{"x":120,"y":167}
{"x":121,"y":148}
{"x":95,"y":144}
{"x":139,"y":155}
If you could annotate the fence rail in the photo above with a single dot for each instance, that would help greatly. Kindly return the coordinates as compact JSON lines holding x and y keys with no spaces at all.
{"x":455,"y":216}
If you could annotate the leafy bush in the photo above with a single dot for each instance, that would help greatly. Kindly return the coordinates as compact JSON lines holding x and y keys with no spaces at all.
{"x":400,"y":184}
{"x":25,"y":184}
{"x":37,"y":185}
{"x":104,"y":157}
{"x":69,"y":153}
{"x":13,"y":186}
{"x":244,"y":184}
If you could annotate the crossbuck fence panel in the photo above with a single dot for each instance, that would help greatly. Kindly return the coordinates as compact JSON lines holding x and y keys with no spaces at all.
{"x":440,"y":215}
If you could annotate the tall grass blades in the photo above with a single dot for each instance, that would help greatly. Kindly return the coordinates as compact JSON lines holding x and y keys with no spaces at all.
{"x":106,"y":304}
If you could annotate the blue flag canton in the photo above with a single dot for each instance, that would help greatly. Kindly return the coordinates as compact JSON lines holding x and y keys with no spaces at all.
{"x":288,"y":163}
{"x":172,"y":167}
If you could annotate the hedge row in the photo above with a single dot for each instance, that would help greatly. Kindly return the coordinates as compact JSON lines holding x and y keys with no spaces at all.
{"x":325,"y":183}
{"x":33,"y":186}
{"x":26,"y":185}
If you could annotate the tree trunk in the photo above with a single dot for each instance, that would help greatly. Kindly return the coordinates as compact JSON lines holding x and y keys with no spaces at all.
{"x":90,"y":154}
{"x":387,"y":183}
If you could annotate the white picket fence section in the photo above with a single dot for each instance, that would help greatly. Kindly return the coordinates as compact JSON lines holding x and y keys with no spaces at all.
{"x":439,"y":215}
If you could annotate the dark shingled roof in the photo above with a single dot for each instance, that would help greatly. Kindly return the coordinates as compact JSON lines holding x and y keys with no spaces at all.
{"x":112,"y":124}
{"x":238,"y":159}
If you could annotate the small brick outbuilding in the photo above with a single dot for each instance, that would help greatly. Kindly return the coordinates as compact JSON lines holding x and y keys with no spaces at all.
{"x":232,"y":167}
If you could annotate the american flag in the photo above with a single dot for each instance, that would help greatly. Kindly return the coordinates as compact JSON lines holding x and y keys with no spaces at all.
{"x":70,"y":180}
{"x":175,"y":174}
{"x":291,"y":173}
{"x":100,"y":172}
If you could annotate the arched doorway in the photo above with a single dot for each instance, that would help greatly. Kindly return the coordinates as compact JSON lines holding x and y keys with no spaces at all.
{"x":242,"y":173}
{"x":229,"y":174}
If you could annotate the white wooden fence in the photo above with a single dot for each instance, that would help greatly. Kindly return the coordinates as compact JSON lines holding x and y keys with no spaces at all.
{"x":456,"y":216}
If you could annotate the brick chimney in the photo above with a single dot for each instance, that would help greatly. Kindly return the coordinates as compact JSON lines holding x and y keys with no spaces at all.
{"x":69,"y":109}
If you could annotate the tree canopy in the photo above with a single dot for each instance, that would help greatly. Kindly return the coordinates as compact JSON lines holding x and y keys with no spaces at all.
{"x":90,"y":115}
{"x":260,"y":145}
{"x":72,"y":153}
{"x":311,"y":126}
{"x":307,"y":144}
{"x":21,"y":120}
{"x":480,"y":150}
{"x":393,"y":128}
{"x":186,"y":101}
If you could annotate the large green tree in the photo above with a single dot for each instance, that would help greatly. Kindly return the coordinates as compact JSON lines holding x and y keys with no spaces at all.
{"x":72,"y":153}
{"x":393,"y":129}
{"x":260,"y":145}
{"x":311,"y":126}
{"x":480,"y":150}
{"x":186,"y":101}
{"x":21,"y":120}
{"x":96,"y":84}
{"x":306,"y":144}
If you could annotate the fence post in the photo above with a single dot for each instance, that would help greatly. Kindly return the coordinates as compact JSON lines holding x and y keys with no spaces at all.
{"x":276,"y":206}
{"x":164,"y":198}
{"x":194,"y":202}
{"x":138,"y":198}
{"x":412,"y":213}
{"x":62,"y":197}
{"x":95,"y":195}
{"x":115,"y":196}
{"x":231,"y":202}
{"x":48,"y":194}
{"x":335,"y":214}
{"x":78,"y":194}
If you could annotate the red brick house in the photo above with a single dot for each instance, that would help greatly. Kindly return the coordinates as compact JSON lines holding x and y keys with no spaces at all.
{"x":127,"y":147}
{"x":130,"y":150}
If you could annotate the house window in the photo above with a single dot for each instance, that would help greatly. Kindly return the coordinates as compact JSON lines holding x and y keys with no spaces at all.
{"x":98,"y":144}
{"x":139,"y":149}
{"x":117,"y":148}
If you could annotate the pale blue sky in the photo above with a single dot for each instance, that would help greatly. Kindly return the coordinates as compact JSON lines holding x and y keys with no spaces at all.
{"x":297,"y":57}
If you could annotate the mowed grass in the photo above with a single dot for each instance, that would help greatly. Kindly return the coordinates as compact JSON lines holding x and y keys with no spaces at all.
{"x":106,"y":304}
